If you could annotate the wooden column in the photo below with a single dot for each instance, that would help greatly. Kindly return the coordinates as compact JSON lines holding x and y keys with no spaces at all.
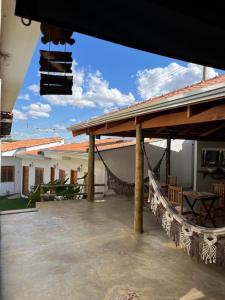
{"x":168,"y":149}
{"x":139,"y":177}
{"x":91,"y":167}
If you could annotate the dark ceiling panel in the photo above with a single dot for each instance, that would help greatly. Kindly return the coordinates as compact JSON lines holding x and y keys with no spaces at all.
{"x":182,"y":30}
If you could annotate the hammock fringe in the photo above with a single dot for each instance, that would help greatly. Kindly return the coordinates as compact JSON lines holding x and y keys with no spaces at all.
{"x":206,"y":244}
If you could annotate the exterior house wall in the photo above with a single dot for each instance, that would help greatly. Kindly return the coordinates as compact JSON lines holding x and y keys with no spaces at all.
{"x":8,"y":159}
{"x":204,"y":183}
{"x":12,"y":187}
{"x":65,"y":164}
{"x":122,"y":161}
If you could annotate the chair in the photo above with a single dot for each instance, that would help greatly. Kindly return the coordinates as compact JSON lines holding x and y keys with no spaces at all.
{"x":219,"y":189}
{"x":172,"y":180}
{"x":175,"y":197}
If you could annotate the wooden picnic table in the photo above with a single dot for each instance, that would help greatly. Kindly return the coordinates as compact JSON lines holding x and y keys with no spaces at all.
{"x":206,"y":199}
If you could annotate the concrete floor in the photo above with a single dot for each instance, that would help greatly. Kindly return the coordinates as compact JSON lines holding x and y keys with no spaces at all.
{"x":75,"y":250}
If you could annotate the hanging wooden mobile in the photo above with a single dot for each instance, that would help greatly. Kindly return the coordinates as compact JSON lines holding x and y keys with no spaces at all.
{"x":56,"y":65}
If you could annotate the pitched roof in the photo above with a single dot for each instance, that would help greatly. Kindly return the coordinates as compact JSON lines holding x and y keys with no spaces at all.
{"x":167,"y":98}
{"x":186,"y":89}
{"x":104,"y":144}
{"x":27,"y":143}
{"x":83,"y":147}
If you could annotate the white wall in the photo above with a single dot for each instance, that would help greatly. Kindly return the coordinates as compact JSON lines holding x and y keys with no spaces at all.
{"x":122,"y":161}
{"x":12,"y":187}
{"x":204,"y":183}
{"x":66,"y":165}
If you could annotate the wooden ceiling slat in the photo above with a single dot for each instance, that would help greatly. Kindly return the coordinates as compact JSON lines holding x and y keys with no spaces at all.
{"x":213,"y":130}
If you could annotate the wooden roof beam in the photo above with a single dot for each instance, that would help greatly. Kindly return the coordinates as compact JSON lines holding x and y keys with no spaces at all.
{"x":79,"y":132}
{"x":213,"y":130}
{"x":189,"y":111}
{"x":122,"y":127}
{"x":215,"y":113}
{"x":112,"y":124}
{"x":188,"y":129}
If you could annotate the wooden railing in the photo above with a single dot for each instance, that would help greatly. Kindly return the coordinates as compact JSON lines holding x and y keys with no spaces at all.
{"x":51,"y":188}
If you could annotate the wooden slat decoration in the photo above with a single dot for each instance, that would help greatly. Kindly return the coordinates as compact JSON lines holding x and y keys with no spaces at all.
{"x":55,"y":90}
{"x":56,"y":56}
{"x":56,"y":80}
{"x":47,"y":66}
{"x":55,"y":34}
{"x":44,"y":61}
{"x":55,"y":62}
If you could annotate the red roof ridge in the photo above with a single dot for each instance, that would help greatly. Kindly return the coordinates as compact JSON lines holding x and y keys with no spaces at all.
{"x":82,"y":147}
{"x":192,"y":87}
{"x":8,"y":146}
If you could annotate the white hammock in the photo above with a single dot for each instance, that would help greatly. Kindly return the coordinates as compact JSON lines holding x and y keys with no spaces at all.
{"x":207,"y":244}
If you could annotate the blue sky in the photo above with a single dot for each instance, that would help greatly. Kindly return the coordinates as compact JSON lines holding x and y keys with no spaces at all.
{"x":106,"y":77}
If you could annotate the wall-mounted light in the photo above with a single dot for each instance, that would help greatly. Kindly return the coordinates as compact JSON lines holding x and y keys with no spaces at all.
{"x":79,"y":168}
{"x":31,"y":164}
{"x":56,"y":165}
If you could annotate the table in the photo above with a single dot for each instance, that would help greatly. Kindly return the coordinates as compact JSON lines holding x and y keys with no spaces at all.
{"x":204,"y":198}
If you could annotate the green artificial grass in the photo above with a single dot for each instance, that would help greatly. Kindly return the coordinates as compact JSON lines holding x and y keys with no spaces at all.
{"x":11,"y":204}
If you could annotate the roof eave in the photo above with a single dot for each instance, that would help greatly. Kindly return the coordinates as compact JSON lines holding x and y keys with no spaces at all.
{"x":203,"y":95}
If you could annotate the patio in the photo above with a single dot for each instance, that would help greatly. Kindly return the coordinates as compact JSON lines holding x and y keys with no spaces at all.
{"x":81,"y":250}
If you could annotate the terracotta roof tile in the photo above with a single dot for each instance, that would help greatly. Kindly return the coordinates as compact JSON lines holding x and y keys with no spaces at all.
{"x":27,"y":143}
{"x":83,"y":147}
{"x":193,"y":87}
{"x":31,"y":152}
{"x":104,"y":144}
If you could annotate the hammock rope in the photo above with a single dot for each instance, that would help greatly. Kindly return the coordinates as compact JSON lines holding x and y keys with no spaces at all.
{"x":156,"y":169}
{"x":123,"y":187}
{"x":120,"y":186}
{"x":207,"y":244}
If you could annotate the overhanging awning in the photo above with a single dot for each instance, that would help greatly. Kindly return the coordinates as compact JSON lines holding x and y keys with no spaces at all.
{"x":182,"y":30}
{"x":195,"y":115}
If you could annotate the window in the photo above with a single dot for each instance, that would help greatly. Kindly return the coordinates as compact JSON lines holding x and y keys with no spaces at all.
{"x":39,"y":176}
{"x":211,"y":157}
{"x":222,"y":158}
{"x":62,"y":174}
{"x":7,"y":173}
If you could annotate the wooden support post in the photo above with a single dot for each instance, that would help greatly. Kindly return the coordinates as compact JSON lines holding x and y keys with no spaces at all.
{"x":139,"y":179}
{"x":168,"y":147}
{"x":91,"y":166}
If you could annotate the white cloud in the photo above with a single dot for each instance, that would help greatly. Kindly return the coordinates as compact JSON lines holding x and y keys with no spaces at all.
{"x":45,"y":130}
{"x":38,"y":110}
{"x":158,"y":81}
{"x":73,"y":120}
{"x":19,"y":115}
{"x":89,"y":90}
{"x":35,"y":88}
{"x":24,"y":97}
{"x":59,"y":127}
{"x":100,"y":93}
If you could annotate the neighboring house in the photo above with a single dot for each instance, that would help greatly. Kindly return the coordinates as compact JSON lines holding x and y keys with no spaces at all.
{"x":27,"y":163}
{"x":11,"y":165}
{"x":71,"y":160}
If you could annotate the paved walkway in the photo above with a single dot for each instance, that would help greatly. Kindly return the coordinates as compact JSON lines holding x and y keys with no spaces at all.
{"x":75,"y":250}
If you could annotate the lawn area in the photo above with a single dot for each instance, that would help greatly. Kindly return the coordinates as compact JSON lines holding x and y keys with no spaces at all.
{"x":11,"y":204}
